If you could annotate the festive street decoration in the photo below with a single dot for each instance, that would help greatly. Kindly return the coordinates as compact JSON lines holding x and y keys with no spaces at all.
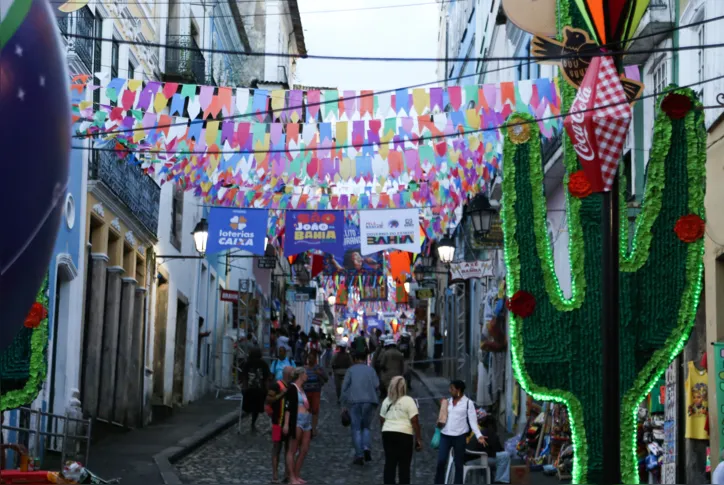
{"x":612,"y":22}
{"x":34,"y":80}
{"x":535,"y":16}
{"x":23,"y":363}
{"x":598,"y":123}
{"x":556,"y":348}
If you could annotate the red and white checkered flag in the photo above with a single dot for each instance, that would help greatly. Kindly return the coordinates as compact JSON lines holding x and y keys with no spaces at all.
{"x":598,"y":123}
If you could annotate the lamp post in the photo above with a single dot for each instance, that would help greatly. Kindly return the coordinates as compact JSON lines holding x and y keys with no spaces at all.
{"x":407,"y":287}
{"x":446,"y":250}
{"x":201,"y":237}
{"x":481,"y":214}
{"x":331,"y":299}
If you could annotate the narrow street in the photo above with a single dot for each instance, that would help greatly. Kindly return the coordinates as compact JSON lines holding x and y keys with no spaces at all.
{"x":246,"y":458}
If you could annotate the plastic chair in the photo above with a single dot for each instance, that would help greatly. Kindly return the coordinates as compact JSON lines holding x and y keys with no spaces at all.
{"x":480,"y":463}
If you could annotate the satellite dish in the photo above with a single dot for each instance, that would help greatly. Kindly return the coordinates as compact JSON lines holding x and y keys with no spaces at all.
{"x":535,"y":16}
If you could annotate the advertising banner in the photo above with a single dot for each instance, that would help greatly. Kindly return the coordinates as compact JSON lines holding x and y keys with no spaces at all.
{"x":390,"y":229}
{"x":352,"y":262}
{"x":319,"y":230}
{"x":237,"y":229}
{"x":471,"y":269}
{"x":668,"y":469}
{"x":719,"y":373}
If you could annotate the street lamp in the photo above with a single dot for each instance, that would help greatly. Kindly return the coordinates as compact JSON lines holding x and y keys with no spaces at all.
{"x":299,"y":264}
{"x":481,"y":213}
{"x":407,"y":286}
{"x":331,"y":299}
{"x":419,"y":273}
{"x":340,"y":330}
{"x":201,"y":236}
{"x":446,"y":249}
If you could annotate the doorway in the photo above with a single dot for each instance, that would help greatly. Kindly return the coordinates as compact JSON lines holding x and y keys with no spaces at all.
{"x":159,"y":340}
{"x":179,"y":357}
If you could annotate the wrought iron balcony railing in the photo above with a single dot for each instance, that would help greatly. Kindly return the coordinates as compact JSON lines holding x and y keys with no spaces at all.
{"x":184,"y":59}
{"x":63,"y":23}
{"x":84,"y":26}
{"x":136,"y":190}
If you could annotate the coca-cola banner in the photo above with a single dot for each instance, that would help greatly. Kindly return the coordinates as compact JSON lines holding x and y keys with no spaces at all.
{"x":580,"y":128}
{"x":598,"y":123}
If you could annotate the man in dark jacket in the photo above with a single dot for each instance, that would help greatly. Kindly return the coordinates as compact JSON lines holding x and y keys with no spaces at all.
{"x":340,"y":363}
{"x":392,"y":364}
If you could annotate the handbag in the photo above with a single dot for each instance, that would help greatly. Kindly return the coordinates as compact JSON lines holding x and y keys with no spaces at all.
{"x":435,"y":442}
{"x":442,"y":416}
{"x":346,"y":420}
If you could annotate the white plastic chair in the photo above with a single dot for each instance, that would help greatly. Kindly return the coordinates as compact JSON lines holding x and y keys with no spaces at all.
{"x":480,"y":463}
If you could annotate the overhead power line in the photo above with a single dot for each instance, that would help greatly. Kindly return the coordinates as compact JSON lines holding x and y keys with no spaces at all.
{"x":272,"y":14}
{"x":576,"y":55}
{"x":388,"y":91}
{"x":418,"y":139}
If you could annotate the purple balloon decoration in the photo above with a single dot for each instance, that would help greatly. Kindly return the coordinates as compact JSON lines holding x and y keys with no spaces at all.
{"x":35,"y":140}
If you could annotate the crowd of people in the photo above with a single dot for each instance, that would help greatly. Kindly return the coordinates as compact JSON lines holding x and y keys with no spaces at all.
{"x":371,"y":379}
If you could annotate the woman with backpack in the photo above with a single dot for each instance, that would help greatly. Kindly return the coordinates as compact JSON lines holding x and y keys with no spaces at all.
{"x":316,"y":378}
{"x":255,"y":377}
{"x":282,"y":361}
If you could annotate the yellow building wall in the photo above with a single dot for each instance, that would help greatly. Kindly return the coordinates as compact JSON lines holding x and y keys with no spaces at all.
{"x":714,"y":272}
{"x":106,"y":239}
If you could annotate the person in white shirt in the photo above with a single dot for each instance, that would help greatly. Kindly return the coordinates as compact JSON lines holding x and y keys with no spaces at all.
{"x":461,"y":419}
{"x":717,"y":478}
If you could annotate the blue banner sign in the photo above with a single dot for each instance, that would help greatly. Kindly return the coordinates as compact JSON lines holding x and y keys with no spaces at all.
{"x":237,"y":229}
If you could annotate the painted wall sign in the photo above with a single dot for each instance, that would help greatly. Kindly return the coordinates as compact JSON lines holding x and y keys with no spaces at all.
{"x":668,"y":469}
{"x":237,"y":229}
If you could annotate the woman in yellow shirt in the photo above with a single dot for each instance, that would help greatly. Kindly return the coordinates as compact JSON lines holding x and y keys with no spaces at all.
{"x":399,"y":419}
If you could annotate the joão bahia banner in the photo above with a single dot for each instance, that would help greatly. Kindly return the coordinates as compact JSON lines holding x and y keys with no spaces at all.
{"x":320,"y":230}
{"x":237,"y":228}
{"x":390,"y":229}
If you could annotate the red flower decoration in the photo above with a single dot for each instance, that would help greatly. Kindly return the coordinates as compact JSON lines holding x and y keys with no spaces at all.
{"x":521,"y":304}
{"x":578,"y":185}
{"x":676,"y":106}
{"x":690,"y":228}
{"x":37,"y":314}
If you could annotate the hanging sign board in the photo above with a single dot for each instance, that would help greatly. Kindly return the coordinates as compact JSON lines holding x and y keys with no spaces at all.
{"x":237,"y":229}
{"x":390,"y":229}
{"x":471,"y":269}
{"x":301,"y":297}
{"x":229,"y":295}
{"x":719,"y":368}
{"x":668,"y":469}
{"x":305,"y":293}
{"x":267,"y":262}
{"x":425,"y":293}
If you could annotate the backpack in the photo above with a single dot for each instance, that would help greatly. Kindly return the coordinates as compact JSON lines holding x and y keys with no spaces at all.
{"x":268,"y":409}
{"x":360,"y":346}
{"x":275,"y":366}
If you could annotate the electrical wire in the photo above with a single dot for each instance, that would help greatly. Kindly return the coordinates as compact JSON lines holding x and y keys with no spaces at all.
{"x":386,"y":91}
{"x":576,"y":55}
{"x":418,"y":139}
{"x":383,"y":7}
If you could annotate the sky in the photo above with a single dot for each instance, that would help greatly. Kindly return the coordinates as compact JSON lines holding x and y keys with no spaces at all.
{"x":408,"y":31}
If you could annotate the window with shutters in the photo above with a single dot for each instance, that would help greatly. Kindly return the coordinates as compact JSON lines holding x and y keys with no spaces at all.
{"x":177,"y":216}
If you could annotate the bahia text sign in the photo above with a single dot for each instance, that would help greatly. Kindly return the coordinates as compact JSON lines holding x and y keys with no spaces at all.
{"x":320,"y":230}
{"x":237,"y":229}
{"x":390,"y":229}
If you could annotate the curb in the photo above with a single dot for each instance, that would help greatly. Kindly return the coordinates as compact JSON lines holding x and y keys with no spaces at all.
{"x":426,"y":386}
{"x":165,"y":459}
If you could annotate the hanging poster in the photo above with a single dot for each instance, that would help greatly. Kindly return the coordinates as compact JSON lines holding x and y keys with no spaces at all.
{"x":319,"y":230}
{"x":668,"y":469}
{"x":719,"y":379}
{"x":237,"y":229}
{"x":352,"y":262}
{"x":390,"y":229}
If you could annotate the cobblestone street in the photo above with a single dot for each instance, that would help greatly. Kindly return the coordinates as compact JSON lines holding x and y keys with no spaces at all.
{"x":246,"y":458}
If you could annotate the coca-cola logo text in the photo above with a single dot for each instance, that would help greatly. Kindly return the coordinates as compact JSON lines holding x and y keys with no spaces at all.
{"x":582,"y":144}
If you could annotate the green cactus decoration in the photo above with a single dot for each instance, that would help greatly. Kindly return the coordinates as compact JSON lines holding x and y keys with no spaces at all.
{"x":556,"y":350}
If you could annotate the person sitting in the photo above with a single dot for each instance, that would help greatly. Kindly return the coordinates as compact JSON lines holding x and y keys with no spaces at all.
{"x":498,"y":458}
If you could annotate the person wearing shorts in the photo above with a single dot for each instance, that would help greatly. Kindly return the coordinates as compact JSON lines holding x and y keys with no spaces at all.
{"x":277,"y":403}
{"x":297,"y":425}
{"x":316,"y":378}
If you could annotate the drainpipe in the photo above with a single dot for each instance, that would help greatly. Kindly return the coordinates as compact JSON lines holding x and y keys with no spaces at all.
{"x":447,"y":69}
{"x":675,"y":42}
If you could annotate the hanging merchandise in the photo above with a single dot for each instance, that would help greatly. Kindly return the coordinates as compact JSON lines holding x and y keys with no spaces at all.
{"x":317,"y":230}
{"x":243,"y":229}
{"x":696,"y":388}
{"x":390,"y":229}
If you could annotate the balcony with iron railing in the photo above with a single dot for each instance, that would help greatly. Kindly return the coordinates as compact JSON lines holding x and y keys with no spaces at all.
{"x":184,"y":60}
{"x":136,"y":190}
{"x":656,"y":25}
